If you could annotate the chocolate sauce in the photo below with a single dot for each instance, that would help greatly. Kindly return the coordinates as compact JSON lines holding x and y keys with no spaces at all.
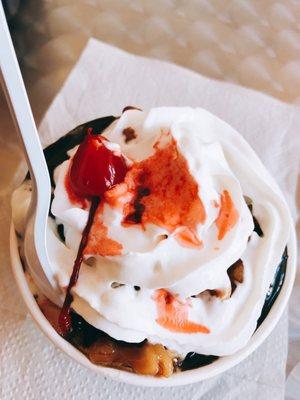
{"x":193,"y":360}
{"x":61,"y":232}
{"x":257,"y":227}
{"x":83,"y":334}
{"x":130,"y":108}
{"x":274,"y":288}
{"x":64,"y":321}
{"x":136,"y":216}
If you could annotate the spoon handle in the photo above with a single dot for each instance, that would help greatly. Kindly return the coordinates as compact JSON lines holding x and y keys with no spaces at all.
{"x":16,"y":96}
{"x":20,"y":109}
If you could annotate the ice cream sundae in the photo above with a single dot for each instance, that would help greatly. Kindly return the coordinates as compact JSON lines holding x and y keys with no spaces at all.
{"x":165,"y":233}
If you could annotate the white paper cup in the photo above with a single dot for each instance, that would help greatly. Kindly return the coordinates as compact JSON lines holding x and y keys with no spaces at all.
{"x":180,"y":378}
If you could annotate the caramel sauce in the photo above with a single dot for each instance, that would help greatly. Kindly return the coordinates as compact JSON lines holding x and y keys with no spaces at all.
{"x":142,"y":358}
{"x":148,"y":359}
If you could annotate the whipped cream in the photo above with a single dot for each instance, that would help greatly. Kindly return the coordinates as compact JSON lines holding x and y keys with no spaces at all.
{"x":120,"y":293}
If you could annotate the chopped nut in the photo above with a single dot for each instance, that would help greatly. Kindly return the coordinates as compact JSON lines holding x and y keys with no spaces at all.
{"x":165,"y":360}
{"x":115,"y":285}
{"x":223,"y":294}
{"x":236,"y":272}
{"x":147,"y":359}
{"x":129,"y":134}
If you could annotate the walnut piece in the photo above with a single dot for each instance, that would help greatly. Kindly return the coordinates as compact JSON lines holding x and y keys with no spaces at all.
{"x":236,"y":272}
{"x":129,"y":134}
{"x":223,"y":294}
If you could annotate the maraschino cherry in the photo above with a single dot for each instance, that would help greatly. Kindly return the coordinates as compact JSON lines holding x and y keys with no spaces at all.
{"x":94,"y":169}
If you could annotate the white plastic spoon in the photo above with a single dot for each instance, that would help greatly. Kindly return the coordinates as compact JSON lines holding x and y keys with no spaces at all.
{"x":35,"y":235}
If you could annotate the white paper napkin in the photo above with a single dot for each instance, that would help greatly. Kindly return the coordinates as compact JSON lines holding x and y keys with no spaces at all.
{"x":103,"y":82}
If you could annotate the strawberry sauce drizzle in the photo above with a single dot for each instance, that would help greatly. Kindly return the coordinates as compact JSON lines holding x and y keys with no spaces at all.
{"x":164,"y":193}
{"x":173,"y":314}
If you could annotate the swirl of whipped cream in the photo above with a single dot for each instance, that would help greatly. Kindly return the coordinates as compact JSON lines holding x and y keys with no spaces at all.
{"x":170,"y":232}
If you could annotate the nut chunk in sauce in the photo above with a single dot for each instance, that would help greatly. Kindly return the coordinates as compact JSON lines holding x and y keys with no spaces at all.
{"x":142,"y":358}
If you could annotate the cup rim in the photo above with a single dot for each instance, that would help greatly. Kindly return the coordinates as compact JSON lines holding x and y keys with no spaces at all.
{"x":181,"y":378}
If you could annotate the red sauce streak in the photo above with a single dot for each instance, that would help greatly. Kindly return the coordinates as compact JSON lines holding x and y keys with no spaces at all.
{"x":64,"y":320}
{"x":94,"y":170}
{"x":161,"y":191}
{"x":173,"y":314}
{"x":228,"y":215}
{"x":187,"y":237}
{"x":99,"y":242}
